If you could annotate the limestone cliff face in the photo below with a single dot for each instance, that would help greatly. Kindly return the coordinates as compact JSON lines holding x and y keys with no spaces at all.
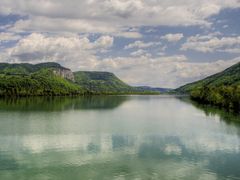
{"x":64,"y":73}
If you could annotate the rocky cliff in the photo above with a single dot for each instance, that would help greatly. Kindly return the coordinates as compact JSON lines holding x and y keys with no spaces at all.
{"x":64,"y":73}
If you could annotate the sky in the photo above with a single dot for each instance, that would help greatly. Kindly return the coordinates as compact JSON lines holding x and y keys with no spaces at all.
{"x":159,"y":43}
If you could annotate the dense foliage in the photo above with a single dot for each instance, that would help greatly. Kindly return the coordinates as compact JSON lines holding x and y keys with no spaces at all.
{"x":26,"y":68}
{"x":34,"y":80}
{"x":222,"y":89}
{"x":223,"y":96}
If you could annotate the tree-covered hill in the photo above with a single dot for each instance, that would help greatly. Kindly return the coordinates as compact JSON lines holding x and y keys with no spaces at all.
{"x":25,"y":68}
{"x":229,"y":77}
{"x":221,"y":89}
{"x":49,"y":79}
{"x":102,"y":82}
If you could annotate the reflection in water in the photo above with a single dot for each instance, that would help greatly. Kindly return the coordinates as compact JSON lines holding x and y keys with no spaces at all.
{"x":211,"y":111}
{"x":139,"y":139}
{"x":7,"y":163}
{"x":61,"y":103}
{"x":119,"y":142}
{"x":130,"y":156}
{"x":225,"y":116}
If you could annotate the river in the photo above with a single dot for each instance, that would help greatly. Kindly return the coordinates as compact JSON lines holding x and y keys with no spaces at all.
{"x":117,"y":137}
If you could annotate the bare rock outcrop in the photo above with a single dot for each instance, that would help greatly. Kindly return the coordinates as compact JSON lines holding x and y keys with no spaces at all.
{"x":64,"y":73}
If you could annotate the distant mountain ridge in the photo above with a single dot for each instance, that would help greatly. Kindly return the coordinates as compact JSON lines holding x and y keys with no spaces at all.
{"x":154,"y":89}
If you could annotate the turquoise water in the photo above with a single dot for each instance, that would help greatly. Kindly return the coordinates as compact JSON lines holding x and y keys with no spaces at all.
{"x":117,"y":137}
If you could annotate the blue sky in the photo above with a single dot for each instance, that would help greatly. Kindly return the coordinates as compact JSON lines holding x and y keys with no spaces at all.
{"x":161,"y":43}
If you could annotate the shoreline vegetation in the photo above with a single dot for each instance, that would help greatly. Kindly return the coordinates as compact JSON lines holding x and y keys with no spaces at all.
{"x":226,"y":97}
{"x":221,"y":90}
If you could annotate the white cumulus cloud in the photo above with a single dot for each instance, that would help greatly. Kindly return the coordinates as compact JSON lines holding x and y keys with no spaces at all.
{"x":210,"y":43}
{"x":111,"y":16}
{"x":141,"y":44}
{"x":6,"y":36}
{"x":172,"y":37}
{"x":72,"y":51}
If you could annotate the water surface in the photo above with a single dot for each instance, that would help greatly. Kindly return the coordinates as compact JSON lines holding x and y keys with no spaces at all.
{"x":117,"y":137}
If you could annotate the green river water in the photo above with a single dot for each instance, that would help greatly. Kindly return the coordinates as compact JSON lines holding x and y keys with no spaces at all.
{"x":117,"y":137}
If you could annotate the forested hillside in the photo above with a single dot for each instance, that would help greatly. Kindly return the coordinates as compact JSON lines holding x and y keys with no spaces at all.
{"x":40,"y":80}
{"x":222,"y":89}
{"x":51,"y":79}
